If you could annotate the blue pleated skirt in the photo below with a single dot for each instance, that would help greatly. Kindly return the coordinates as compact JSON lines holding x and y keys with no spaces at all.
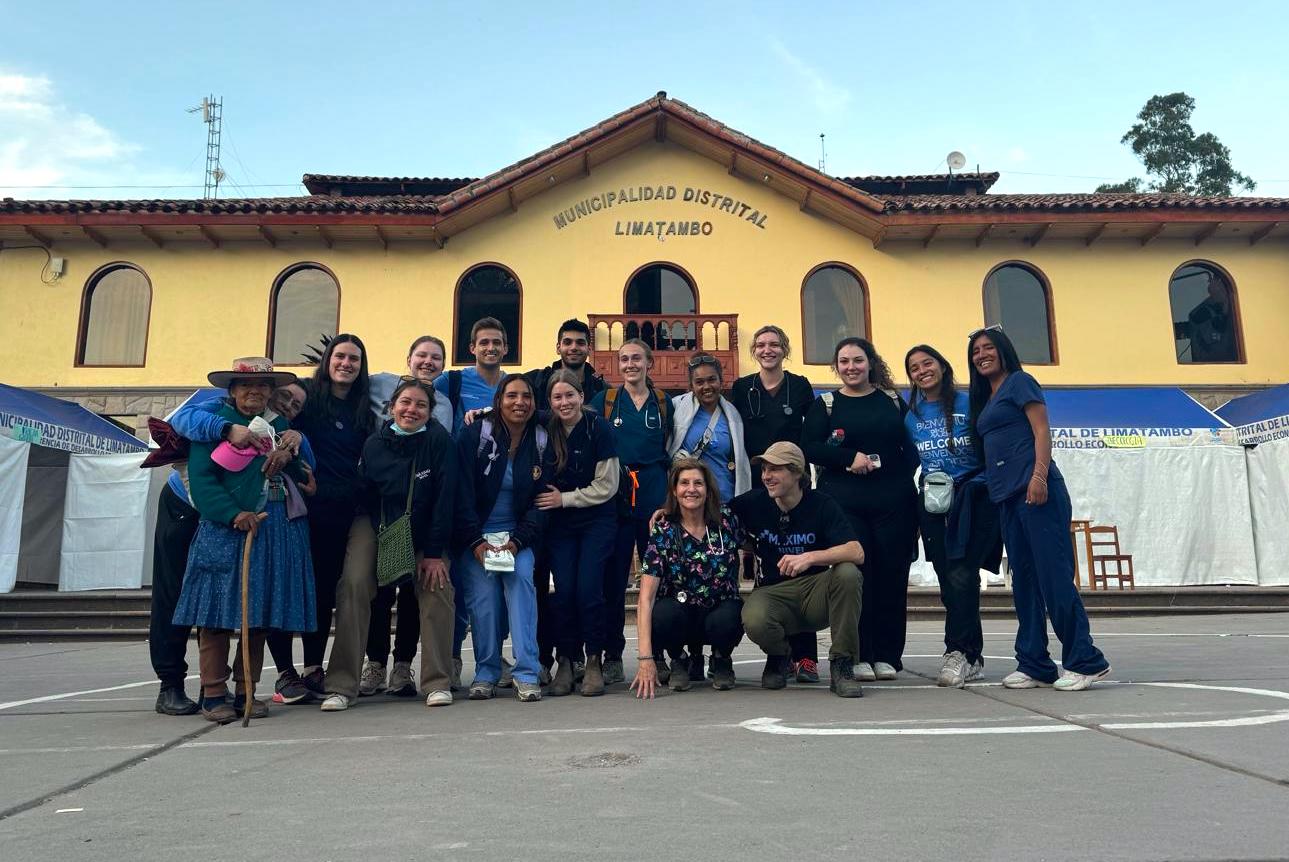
{"x":281,"y":592}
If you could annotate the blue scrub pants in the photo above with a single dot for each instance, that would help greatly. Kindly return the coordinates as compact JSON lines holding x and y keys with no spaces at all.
{"x":578,"y":557}
{"x":1042,"y":565}
{"x":490,"y":596}
{"x":632,"y":536}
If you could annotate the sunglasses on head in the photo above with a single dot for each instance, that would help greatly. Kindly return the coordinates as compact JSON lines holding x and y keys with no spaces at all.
{"x":997,"y":327}
{"x":703,"y":359}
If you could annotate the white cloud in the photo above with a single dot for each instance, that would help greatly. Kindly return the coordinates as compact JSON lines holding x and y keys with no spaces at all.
{"x":45,"y":142}
{"x":826,"y":95}
{"x":1017,"y":154}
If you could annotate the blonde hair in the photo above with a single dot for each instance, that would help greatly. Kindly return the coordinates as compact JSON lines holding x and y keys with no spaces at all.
{"x":783,"y":339}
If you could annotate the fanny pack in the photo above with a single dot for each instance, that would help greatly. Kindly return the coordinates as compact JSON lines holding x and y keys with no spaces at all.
{"x":937,"y":492}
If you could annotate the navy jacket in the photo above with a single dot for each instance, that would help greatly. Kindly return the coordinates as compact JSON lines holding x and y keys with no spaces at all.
{"x":385,"y":470}
{"x":479,"y":483}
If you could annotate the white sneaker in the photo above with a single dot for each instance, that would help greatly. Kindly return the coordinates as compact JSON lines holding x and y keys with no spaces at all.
{"x":1072,"y":681}
{"x":337,"y":703}
{"x":975,"y":670}
{"x":864,"y":672}
{"x":882,"y":670}
{"x":401,"y":683}
{"x":1020,"y":679}
{"x":372,"y":680}
{"x":953,"y":673}
{"x":507,"y":675}
{"x":439,"y":698}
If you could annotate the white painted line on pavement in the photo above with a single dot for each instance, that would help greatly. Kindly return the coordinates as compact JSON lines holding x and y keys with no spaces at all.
{"x":52,"y":697}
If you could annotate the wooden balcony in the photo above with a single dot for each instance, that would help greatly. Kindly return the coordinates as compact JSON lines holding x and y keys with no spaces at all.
{"x":674,"y":339}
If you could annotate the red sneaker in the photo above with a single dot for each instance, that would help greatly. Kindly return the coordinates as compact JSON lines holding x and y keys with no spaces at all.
{"x":807,"y":670}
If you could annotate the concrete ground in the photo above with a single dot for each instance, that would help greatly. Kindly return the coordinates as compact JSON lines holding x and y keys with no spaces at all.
{"x":1185,"y":757}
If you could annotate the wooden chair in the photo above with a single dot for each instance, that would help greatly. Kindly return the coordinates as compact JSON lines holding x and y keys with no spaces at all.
{"x":1104,"y":552}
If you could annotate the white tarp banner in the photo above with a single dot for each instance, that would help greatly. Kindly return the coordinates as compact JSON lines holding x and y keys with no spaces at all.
{"x":1182,"y":512}
{"x":105,"y":526}
{"x":1269,"y":492}
{"x":13,"y":478}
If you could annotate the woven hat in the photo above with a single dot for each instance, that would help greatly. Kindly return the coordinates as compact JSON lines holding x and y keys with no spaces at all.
{"x":251,"y":368}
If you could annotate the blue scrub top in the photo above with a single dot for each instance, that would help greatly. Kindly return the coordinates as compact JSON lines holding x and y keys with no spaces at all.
{"x":1008,"y":439}
{"x":928,"y":429}
{"x":476,"y":393}
{"x":640,"y":437}
{"x":719,"y":453}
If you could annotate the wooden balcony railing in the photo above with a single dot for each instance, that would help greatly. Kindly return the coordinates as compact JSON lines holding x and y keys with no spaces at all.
{"x":674,"y":339}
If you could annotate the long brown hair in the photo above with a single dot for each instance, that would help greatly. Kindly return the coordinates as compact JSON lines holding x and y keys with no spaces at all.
{"x":711,"y":506}
{"x":555,"y":426}
{"x":879,"y":373}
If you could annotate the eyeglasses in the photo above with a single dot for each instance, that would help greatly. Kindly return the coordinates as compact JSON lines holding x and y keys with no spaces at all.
{"x":701,"y":359}
{"x":997,"y":327}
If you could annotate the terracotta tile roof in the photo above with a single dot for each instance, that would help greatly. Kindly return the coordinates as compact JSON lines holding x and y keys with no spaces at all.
{"x":350,"y":185}
{"x":402,"y":204}
{"x":1065,"y":203}
{"x":923,"y":184}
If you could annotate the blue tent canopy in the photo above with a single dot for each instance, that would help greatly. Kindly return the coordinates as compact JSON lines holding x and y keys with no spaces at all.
{"x":1130,"y":407}
{"x":1261,"y":416}
{"x":57,"y":424}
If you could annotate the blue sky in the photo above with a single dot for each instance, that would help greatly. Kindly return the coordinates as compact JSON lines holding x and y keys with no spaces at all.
{"x":93,"y":94}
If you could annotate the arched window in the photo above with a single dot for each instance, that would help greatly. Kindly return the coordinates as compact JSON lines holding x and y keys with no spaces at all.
{"x":1206,"y":317}
{"x":114,"y":317}
{"x":1018,"y":300}
{"x":834,"y":305}
{"x":304,"y":311}
{"x":487,"y":290}
{"x":662,"y":288}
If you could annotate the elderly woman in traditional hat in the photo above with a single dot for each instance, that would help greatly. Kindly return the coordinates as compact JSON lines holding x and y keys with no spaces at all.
{"x":245,"y":495}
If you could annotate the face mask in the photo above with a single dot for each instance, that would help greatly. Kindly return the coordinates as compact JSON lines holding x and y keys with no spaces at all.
{"x":401,"y":433}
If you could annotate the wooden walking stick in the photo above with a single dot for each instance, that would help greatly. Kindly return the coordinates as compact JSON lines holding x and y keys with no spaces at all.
{"x":247,"y":684}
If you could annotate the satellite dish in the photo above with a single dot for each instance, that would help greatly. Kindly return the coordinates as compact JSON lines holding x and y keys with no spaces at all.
{"x":956,"y":161}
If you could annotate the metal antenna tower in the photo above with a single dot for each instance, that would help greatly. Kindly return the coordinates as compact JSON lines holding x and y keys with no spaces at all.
{"x":212,"y":114}
{"x":823,"y":154}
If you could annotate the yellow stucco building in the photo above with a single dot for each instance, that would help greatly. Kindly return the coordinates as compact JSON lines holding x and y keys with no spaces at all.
{"x":662,"y":221}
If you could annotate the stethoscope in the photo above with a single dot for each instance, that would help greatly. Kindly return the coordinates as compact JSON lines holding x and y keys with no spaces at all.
{"x":754,"y":412}
{"x":652,"y":420}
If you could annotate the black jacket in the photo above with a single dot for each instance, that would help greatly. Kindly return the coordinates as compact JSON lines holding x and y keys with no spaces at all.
{"x":592,"y":383}
{"x":385,"y":470}
{"x":479,"y":483}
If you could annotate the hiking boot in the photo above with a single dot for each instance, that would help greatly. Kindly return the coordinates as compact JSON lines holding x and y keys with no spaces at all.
{"x":864,"y":672}
{"x":774,"y":675}
{"x":372,"y":680}
{"x":456,"y":673}
{"x":613,"y":671}
{"x":664,"y":672}
{"x":219,"y":711}
{"x":507,"y":675}
{"x":953,"y":673}
{"x":290,"y":688}
{"x":680,"y":674}
{"x":807,"y":670}
{"x":401,"y":683}
{"x":316,"y":682}
{"x":722,"y":673}
{"x":562,"y":682}
{"x":337,"y":703}
{"x":259,"y":709}
{"x":1020,"y":679}
{"x":439,"y":698}
{"x":1072,"y":681}
{"x":882,"y":670}
{"x":593,"y":678}
{"x":843,"y":683}
{"x":481,"y":690}
{"x":173,"y":701}
{"x":528,"y":692}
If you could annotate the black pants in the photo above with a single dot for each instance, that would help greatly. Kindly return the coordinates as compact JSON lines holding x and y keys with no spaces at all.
{"x":329,"y":524}
{"x":960,"y":578}
{"x":887,"y":530}
{"x":167,"y":642}
{"x":407,"y":634}
{"x":676,"y":626}
{"x":542,"y":583}
{"x":632,"y":536}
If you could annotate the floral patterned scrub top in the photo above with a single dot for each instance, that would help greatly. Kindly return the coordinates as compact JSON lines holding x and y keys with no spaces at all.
{"x":701,"y":572}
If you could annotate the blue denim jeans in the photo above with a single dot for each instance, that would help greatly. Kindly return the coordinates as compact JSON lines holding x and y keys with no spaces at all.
{"x":490,"y":596}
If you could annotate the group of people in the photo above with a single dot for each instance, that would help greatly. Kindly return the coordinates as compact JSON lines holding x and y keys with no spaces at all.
{"x":456,"y":499}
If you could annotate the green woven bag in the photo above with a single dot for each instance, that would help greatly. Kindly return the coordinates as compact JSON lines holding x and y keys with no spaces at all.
{"x":395,"y":554}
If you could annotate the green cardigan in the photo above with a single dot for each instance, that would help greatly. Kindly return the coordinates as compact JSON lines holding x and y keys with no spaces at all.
{"x":219,"y":495}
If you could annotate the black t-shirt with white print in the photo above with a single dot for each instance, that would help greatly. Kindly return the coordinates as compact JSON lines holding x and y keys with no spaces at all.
{"x":814,"y":524}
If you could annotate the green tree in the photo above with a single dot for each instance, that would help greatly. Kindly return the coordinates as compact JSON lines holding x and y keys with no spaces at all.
{"x":1177,"y":159}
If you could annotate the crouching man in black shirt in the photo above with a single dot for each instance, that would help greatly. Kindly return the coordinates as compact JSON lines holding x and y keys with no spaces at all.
{"x":810,"y":578}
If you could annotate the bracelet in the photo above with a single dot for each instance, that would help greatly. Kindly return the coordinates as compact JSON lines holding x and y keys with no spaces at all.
{"x":1039,"y":478}
{"x":640,"y":658}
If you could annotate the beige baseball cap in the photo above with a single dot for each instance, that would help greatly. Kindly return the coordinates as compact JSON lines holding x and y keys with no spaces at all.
{"x":785,"y":455}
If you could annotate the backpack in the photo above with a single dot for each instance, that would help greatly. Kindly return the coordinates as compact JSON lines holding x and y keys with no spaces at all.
{"x":828,"y":397}
{"x":611,"y":399}
{"x":486,"y":439}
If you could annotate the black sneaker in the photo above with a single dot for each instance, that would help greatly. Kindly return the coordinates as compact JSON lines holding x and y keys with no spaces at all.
{"x":664,"y":671}
{"x":722,"y":672}
{"x":316,"y":682}
{"x":679,"y":679}
{"x":173,"y":701}
{"x":775,"y":674}
{"x":290,"y":688}
{"x":844,"y":683}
